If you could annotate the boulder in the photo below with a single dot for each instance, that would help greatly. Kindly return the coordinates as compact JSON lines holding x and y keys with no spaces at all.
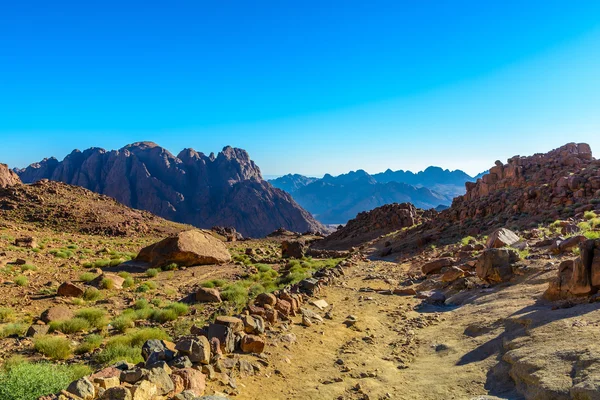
{"x":116,"y":280}
{"x":452,"y":274}
{"x":208,"y":295}
{"x":193,"y":247}
{"x":161,"y":379}
{"x":69,"y":289}
{"x":265,"y":298}
{"x":82,"y":388}
{"x":577,"y":277}
{"x":8,"y":177}
{"x":56,"y":313}
{"x":144,"y":391}
{"x":116,"y":393}
{"x":235,"y":324}
{"x":36,"y":329}
{"x":435,"y":266}
{"x":570,"y":243}
{"x":26,"y":241}
{"x":225,"y":336}
{"x":252,"y":344}
{"x":501,"y":238}
{"x":193,"y":380}
{"x":197,"y":349}
{"x":293,"y":248}
{"x":495,"y":265}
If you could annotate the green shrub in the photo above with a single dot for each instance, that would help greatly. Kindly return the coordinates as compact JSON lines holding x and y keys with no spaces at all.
{"x":89,"y":344}
{"x":128,"y":282}
{"x":54,"y":347}
{"x":123,"y":323}
{"x":214,"y":283}
{"x":468,"y":239}
{"x":95,"y":316}
{"x":170,"y":267}
{"x":21,"y":280}
{"x":107,"y":284}
{"x":87,"y":277}
{"x":164,"y":315}
{"x":128,"y":347}
{"x":589,"y":215}
{"x":6,"y":314}
{"x":179,"y":308}
{"x":140,"y":303}
{"x":69,"y":326}
{"x":124,"y":274}
{"x":13,"y":330}
{"x":27,"y":381}
{"x":592,"y":234}
{"x":235,"y":293}
{"x":152,"y":273}
{"x":28,"y":267}
{"x":92,"y":294}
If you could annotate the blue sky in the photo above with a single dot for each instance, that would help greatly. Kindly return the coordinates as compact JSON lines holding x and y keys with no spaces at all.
{"x":308,"y":87}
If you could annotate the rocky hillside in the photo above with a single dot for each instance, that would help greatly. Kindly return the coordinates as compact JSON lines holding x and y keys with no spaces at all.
{"x":529,"y":190}
{"x":335,"y":200}
{"x":292,"y":182}
{"x":372,"y":224}
{"x":73,"y":209}
{"x":204,"y":191}
{"x":8,"y":177}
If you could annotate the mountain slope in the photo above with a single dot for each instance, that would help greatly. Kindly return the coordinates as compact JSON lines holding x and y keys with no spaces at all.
{"x":226,"y":189}
{"x":292,"y":182}
{"x":335,"y":200}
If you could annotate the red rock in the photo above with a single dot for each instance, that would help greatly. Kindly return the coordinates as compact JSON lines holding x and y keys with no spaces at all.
{"x":235,"y":324}
{"x":193,"y":380}
{"x":208,"y":295}
{"x":265,"y":298}
{"x":284,"y":307}
{"x":252,"y":344}
{"x":69,"y":289}
{"x":435,"y":266}
{"x":57,"y":313}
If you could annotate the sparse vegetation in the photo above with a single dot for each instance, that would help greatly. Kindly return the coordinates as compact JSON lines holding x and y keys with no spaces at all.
{"x":152,"y":273}
{"x":21,"y":280}
{"x":6,"y":314}
{"x":22,"y":380}
{"x":128,"y":346}
{"x":54,"y":347}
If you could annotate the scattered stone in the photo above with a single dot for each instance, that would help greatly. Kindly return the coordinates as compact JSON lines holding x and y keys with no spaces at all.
{"x":435,"y":266}
{"x":197,"y":349}
{"x":233,"y":323}
{"x":265,"y":298}
{"x":501,"y":238}
{"x":252,"y":344}
{"x":496,"y":265}
{"x":37,"y":329}
{"x":320,"y":304}
{"x":57,"y":313}
{"x":82,"y":388}
{"x":208,"y":295}
{"x":69,"y":289}
{"x":193,"y":380}
{"x":293,"y":249}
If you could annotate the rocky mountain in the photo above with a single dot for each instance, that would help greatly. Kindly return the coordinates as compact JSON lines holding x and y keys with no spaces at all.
{"x":8,"y":177}
{"x":337,"y":199}
{"x":292,"y":182}
{"x":204,"y":191}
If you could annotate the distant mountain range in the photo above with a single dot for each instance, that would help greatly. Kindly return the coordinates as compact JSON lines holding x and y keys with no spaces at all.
{"x":193,"y":188}
{"x":337,"y":199}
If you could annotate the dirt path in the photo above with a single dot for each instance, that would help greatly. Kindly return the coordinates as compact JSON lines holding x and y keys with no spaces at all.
{"x":392,"y":351}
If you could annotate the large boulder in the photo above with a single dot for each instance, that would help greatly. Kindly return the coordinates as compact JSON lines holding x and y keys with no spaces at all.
{"x":496,"y":265}
{"x":193,"y":247}
{"x":293,"y":248}
{"x":578,"y":277}
{"x":433,"y":267}
{"x":501,"y":238}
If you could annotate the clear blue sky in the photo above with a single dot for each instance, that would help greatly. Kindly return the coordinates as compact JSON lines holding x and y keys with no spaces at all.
{"x":305,"y":86}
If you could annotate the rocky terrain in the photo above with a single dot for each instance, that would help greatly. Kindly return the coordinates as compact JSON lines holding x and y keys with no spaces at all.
{"x":400,"y":303}
{"x":192,"y":188}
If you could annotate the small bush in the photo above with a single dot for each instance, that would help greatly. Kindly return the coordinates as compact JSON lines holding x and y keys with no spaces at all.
{"x":25,"y":381}
{"x":164,"y":315}
{"x":87,"y":277}
{"x":140,"y":303}
{"x":214,"y":283}
{"x":467,"y":240}
{"x":69,"y":326}
{"x":89,"y":344}
{"x":122,"y":323}
{"x":170,"y":267}
{"x":592,"y":234}
{"x":152,"y":273}
{"x":54,"y":347}
{"x":95,"y":316}
{"x":6,"y":314}
{"x":128,"y":282}
{"x":92,"y":294}
{"x":588,"y":215}
{"x":107,"y":284}
{"x":235,"y":293}
{"x":13,"y":330}
{"x":128,"y":347}
{"x":28,"y":267}
{"x":179,"y":308}
{"x":21,"y":280}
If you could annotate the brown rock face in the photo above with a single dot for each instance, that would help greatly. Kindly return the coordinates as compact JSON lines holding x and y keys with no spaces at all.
{"x":578,"y":277}
{"x":69,"y":289}
{"x":435,"y":266}
{"x":495,"y":265}
{"x":187,"y":248}
{"x":502,"y":237}
{"x":204,"y":191}
{"x":531,"y":188}
{"x":8,"y":177}
{"x":369,"y":225}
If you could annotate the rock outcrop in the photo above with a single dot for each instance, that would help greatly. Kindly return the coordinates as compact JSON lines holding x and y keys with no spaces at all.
{"x":369,"y":225}
{"x":578,"y":277}
{"x":204,"y":191}
{"x":8,"y":177}
{"x":557,"y":184}
{"x":194,"y":247}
